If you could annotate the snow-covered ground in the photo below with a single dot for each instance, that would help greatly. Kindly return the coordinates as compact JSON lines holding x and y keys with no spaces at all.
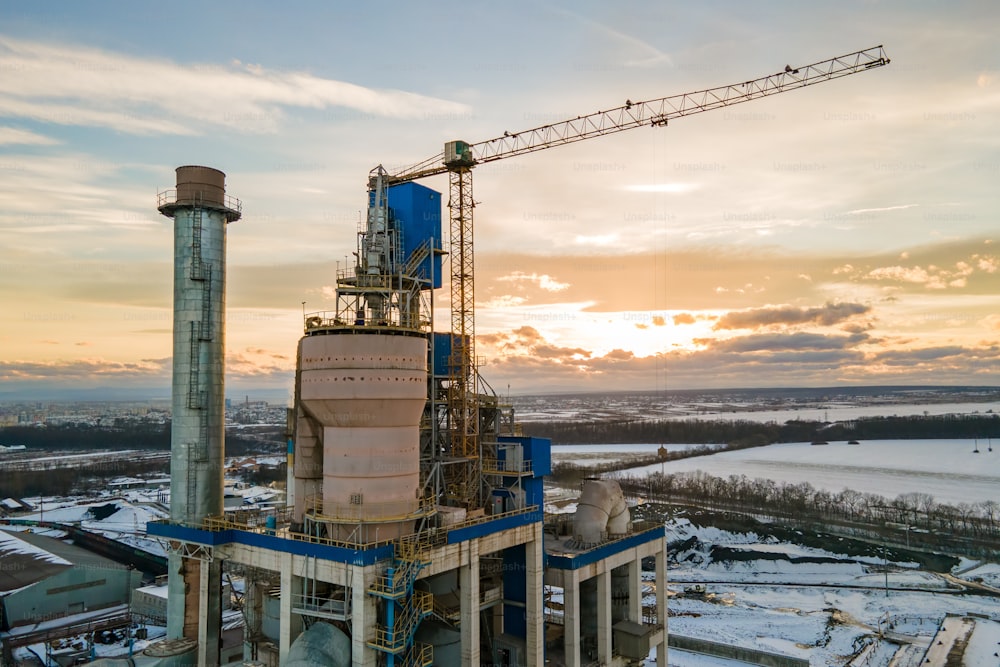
{"x":598,"y":454}
{"x":840,"y":412}
{"x":947,"y":469}
{"x":815,"y":604}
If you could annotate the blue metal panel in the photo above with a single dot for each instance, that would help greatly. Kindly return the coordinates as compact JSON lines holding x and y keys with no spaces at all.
{"x":602,"y":552}
{"x":536,"y":450}
{"x":191,"y":535}
{"x":270,"y":542}
{"x":515,"y":589}
{"x":416,"y":210}
{"x":441,"y":343}
{"x":534,"y":491}
{"x":441,"y":356}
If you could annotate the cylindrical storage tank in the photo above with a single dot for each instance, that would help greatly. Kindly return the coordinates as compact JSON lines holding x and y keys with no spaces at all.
{"x":307,"y":467}
{"x":447,"y":642}
{"x":201,"y":186}
{"x":368,"y":390}
{"x":322,"y":645}
{"x":170,"y":653}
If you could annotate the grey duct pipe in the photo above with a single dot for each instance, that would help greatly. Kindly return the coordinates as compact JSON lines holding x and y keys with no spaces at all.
{"x":601,"y":510}
{"x":322,"y":645}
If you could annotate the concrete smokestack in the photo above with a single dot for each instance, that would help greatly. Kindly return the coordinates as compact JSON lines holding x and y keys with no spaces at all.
{"x":200,"y":210}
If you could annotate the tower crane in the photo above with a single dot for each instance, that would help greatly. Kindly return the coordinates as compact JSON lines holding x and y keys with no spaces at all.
{"x":460,"y":157}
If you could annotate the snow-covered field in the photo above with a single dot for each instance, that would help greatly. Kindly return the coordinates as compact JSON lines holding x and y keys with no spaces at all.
{"x":820,"y":605}
{"x":840,"y":412}
{"x":597,"y":454}
{"x":947,"y":469}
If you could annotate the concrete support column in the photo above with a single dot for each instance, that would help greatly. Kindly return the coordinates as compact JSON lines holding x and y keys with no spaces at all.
{"x":468,"y":583}
{"x":209,"y":594}
{"x":604,"y":617}
{"x":661,"y":601}
{"x":534,"y":614}
{"x":571,"y":617}
{"x":635,"y":590}
{"x":291,"y":624}
{"x":363,"y":617}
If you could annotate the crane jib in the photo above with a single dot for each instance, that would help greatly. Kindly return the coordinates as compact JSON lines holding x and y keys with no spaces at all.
{"x":656,"y":112}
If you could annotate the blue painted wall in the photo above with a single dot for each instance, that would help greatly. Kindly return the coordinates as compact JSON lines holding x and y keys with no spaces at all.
{"x":416,"y":212}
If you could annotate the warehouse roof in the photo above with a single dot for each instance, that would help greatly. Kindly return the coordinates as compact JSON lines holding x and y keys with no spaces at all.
{"x":24,"y":563}
{"x":28,"y":558}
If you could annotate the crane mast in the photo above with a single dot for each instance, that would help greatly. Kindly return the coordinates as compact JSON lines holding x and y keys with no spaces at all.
{"x":459,"y":158}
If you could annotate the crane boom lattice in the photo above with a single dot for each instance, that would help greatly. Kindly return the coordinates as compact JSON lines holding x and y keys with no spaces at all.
{"x":652,"y":112}
{"x":459,"y":158}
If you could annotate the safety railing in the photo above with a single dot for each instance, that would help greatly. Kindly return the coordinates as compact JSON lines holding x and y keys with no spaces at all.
{"x":395,"y":639}
{"x":365,"y":512}
{"x":168,"y":197}
{"x":504,"y":467}
{"x":312,"y":605}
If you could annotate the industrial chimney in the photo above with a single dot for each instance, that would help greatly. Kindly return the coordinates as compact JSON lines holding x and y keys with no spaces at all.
{"x":200,"y":210}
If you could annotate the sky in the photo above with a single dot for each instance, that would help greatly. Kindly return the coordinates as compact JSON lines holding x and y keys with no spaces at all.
{"x":842,"y":234}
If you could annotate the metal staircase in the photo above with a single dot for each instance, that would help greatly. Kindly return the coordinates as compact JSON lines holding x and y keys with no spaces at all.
{"x":405,"y":608}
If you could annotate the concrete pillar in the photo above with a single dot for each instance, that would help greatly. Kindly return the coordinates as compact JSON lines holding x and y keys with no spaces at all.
{"x":571,"y":617}
{"x":604,"y":617}
{"x":363,"y":617}
{"x":534,"y":614}
{"x":291,"y":624}
{"x":468,"y":583}
{"x":635,"y":590}
{"x":661,"y":601}
{"x":209,"y":600}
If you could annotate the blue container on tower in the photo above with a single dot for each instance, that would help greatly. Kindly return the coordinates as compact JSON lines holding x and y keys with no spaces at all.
{"x":416,"y":214}
{"x":442,"y":345}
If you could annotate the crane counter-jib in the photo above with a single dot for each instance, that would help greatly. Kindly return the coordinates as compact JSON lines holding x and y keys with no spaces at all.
{"x":646,"y":113}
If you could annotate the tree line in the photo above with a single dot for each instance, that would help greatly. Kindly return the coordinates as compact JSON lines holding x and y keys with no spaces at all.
{"x":753,"y":433}
{"x":55,"y":478}
{"x":138,"y":435}
{"x":972,"y":528}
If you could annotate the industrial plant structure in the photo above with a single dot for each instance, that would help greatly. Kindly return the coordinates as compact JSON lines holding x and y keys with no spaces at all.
{"x":415,"y":531}
{"x":404,"y":543}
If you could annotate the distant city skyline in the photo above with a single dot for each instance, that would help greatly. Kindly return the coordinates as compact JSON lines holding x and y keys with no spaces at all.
{"x":841,"y":234}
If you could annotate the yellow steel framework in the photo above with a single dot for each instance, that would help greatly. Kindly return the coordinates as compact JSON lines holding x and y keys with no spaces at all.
{"x":462,"y":476}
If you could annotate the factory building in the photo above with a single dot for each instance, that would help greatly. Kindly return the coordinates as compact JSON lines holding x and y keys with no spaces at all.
{"x":414,"y":532}
{"x":44,"y":579}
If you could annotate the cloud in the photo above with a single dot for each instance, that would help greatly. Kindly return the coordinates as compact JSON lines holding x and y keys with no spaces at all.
{"x":10,"y":135}
{"x":827,"y":315}
{"x":72,"y":372}
{"x":901,"y":207}
{"x":684,"y":318}
{"x":987,"y":264}
{"x":935,"y":277}
{"x":546,"y":282}
{"x":758,"y":360}
{"x":528,"y":342}
{"x":780,"y":342}
{"x":78,"y":85}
